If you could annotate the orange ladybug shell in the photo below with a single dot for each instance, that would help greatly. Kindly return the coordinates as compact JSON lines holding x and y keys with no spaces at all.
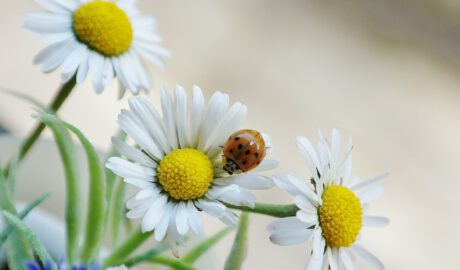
{"x":244,"y":150}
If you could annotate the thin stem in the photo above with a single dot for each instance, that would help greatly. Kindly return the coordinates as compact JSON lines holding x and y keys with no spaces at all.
{"x":147,"y":256}
{"x":274,"y":210}
{"x":126,"y":248}
{"x":56,"y":103}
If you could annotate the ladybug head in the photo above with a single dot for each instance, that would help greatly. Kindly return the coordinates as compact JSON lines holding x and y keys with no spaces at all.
{"x":230,"y":166}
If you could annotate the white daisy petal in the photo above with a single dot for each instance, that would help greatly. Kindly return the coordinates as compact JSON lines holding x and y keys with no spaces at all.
{"x":182,"y":218}
{"x":181,"y":115}
{"x":196,"y":116}
{"x":286,"y":224}
{"x":305,"y":204}
{"x":215,"y":111}
{"x":266,"y":165}
{"x":154,"y":214}
{"x":287,"y":238}
{"x":160,"y":230}
{"x":132,"y":153}
{"x":194,"y":218}
{"x":128,"y":169}
{"x":309,"y":154}
{"x":346,"y":260}
{"x":307,"y":218}
{"x":333,"y":264}
{"x":367,"y":183}
{"x":248,"y":181}
{"x":167,"y":106}
{"x":371,"y":193}
{"x":360,"y":251}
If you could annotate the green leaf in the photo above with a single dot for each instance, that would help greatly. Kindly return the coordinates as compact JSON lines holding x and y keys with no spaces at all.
{"x":11,"y":179}
{"x":115,"y":193}
{"x":25,"y":97}
{"x":118,"y":210}
{"x":146,"y":256}
{"x":9,"y":228}
{"x":36,"y":244}
{"x":72,"y":176}
{"x":204,"y":246}
{"x":96,"y":214}
{"x":131,"y":244}
{"x":18,"y":248}
{"x":239,"y":250}
{"x":274,"y":210}
{"x":174,"y":264}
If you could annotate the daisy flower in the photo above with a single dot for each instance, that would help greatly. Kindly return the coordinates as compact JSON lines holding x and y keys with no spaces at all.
{"x":178,"y":163}
{"x":104,"y":38}
{"x":331,"y":207}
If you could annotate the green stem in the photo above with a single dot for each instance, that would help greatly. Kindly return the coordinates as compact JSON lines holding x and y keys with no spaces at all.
{"x":175,"y":264}
{"x":126,"y":248}
{"x":147,"y":256}
{"x":274,"y":210}
{"x":56,"y":103}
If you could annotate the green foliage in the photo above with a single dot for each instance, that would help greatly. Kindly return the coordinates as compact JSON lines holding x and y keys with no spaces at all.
{"x":37,"y":246}
{"x":9,"y":228}
{"x":96,"y":212}
{"x":18,"y":248}
{"x":72,"y":176}
{"x":239,"y":249}
{"x":204,"y":246}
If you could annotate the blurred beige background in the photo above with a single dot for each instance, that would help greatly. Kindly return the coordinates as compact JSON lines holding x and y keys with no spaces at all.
{"x":384,"y":72}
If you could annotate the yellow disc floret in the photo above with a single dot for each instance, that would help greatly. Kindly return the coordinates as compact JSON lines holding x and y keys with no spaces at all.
{"x":104,"y":27}
{"x":340,"y":216}
{"x":185,"y":174}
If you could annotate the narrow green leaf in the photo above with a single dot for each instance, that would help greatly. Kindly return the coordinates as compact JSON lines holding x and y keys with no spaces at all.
{"x":118,"y":210}
{"x":146,"y":256}
{"x":239,"y":250}
{"x":96,"y":214}
{"x":174,"y":264}
{"x":9,"y":228}
{"x":131,"y":244}
{"x":11,"y":178}
{"x":36,"y":244}
{"x":115,"y":193}
{"x":204,"y":246}
{"x":24,"y":97}
{"x":274,"y":210}
{"x":72,"y":176}
{"x":18,"y":248}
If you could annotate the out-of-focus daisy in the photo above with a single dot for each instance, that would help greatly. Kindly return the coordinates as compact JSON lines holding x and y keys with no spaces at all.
{"x":331,"y":207}
{"x":178,"y":163}
{"x":104,"y":38}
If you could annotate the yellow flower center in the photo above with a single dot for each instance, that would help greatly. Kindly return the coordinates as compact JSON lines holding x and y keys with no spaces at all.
{"x":185,"y":174}
{"x":340,"y":216}
{"x":104,"y":27}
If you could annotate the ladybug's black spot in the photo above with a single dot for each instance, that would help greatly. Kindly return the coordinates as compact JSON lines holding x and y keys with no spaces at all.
{"x":231,"y":151}
{"x":258,"y":162}
{"x":256,"y":154}
{"x":240,"y":146}
{"x":245,"y":162}
{"x":247,"y":152}
{"x":237,"y":138}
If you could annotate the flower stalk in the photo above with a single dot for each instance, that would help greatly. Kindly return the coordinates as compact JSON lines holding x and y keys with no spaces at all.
{"x":274,"y":210}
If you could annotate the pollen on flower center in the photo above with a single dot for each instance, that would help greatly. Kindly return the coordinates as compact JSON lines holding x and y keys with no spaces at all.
{"x":104,"y":27}
{"x":340,"y":216}
{"x":185,"y":174}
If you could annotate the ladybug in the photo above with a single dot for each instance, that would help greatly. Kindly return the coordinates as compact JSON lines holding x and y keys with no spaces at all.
{"x":244,"y":150}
